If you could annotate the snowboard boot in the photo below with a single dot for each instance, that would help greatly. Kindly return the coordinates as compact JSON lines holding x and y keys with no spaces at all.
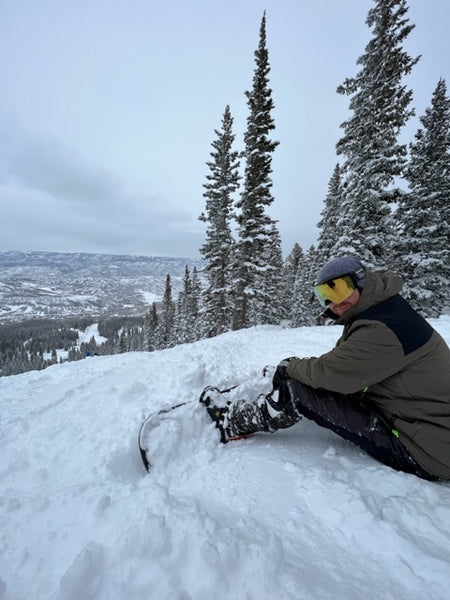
{"x":241,"y":418}
{"x":218,"y":414}
{"x":211,"y":398}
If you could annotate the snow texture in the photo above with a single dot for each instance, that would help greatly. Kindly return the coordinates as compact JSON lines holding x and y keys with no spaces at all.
{"x":298,"y":514}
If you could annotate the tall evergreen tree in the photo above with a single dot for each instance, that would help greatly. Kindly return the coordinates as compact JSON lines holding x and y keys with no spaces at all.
{"x":292,"y":264}
{"x":269,"y":306}
{"x":304,"y":306}
{"x":165,"y":337}
{"x":123,"y":347}
{"x":257,"y":231}
{"x":373,"y":156}
{"x":188,"y":309}
{"x":329,"y":232}
{"x":217,"y":251}
{"x":183,"y":325}
{"x":424,"y":213}
{"x":150,"y":329}
{"x":196,"y":306}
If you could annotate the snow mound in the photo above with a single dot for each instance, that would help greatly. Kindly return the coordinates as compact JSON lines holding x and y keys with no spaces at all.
{"x":299,"y":514}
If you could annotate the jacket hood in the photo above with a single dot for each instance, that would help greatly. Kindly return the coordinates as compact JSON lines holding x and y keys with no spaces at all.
{"x":379,"y":286}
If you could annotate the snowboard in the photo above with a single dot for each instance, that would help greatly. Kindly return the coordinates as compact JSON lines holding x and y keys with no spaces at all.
{"x":246,"y":389}
{"x":154,"y":419}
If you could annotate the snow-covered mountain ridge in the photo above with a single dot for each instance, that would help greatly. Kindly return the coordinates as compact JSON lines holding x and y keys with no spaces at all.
{"x":295,"y":515}
{"x":55,"y":285}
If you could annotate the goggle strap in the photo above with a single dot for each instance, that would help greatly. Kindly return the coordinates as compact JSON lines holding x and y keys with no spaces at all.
{"x":360,"y":274}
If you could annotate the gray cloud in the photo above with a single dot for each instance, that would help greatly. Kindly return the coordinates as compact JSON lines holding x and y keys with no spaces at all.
{"x":49,"y":166}
{"x":35,"y":220}
{"x":51,"y":198}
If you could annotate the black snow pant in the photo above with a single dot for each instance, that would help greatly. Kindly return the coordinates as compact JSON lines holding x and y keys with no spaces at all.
{"x":350,"y":416}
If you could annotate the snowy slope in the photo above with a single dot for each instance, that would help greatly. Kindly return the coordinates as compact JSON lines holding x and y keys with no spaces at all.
{"x":296,"y":515}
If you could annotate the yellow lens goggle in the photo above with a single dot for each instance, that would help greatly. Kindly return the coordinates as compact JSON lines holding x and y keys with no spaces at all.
{"x":336,"y":290}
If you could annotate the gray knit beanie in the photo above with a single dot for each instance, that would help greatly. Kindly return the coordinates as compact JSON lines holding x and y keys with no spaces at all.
{"x":344,"y":265}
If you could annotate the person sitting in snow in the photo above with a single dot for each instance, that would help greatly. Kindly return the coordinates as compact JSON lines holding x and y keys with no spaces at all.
{"x":384,"y":387}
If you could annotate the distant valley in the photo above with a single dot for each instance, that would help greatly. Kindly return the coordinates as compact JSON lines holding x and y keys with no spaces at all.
{"x":54,"y":285}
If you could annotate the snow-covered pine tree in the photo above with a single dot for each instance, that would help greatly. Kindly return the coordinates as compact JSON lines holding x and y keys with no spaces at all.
{"x":304,"y":306}
{"x":165,"y":332}
{"x":329,"y":233}
{"x":255,"y":285}
{"x":182,"y":323}
{"x":186,"y":324}
{"x":291,"y":266}
{"x":150,"y":329}
{"x":196,"y":306}
{"x":123,"y":343}
{"x":135,"y":339}
{"x":217,"y":251}
{"x":373,"y":157}
{"x":423,"y":249}
{"x":269,"y":306}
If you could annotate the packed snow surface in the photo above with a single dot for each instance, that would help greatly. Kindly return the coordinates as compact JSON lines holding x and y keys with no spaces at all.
{"x":299,"y":514}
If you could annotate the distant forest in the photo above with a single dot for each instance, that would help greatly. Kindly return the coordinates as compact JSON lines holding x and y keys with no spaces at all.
{"x":37,"y":344}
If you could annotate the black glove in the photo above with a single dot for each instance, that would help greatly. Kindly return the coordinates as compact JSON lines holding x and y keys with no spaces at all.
{"x":281,"y":373}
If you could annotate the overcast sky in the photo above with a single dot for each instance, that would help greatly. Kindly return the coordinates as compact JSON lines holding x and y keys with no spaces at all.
{"x":108,"y":110}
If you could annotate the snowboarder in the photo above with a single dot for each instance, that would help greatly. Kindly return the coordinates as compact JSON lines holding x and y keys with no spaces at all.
{"x":384,"y":387}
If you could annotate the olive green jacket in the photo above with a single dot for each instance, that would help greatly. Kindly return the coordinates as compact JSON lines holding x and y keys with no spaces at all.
{"x":390,"y":351}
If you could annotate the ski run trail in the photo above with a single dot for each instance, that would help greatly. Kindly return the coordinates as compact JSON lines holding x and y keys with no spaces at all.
{"x":295,"y":515}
